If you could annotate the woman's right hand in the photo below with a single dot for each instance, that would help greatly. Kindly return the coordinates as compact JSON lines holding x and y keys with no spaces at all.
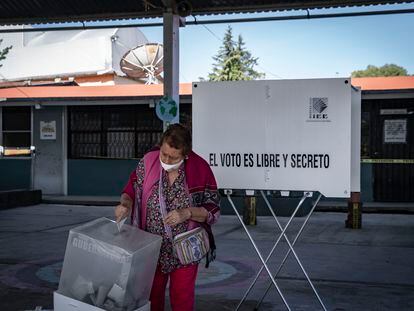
{"x":121,"y":211}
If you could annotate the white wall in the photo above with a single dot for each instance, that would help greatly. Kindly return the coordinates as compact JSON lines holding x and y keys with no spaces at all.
{"x":52,"y":54}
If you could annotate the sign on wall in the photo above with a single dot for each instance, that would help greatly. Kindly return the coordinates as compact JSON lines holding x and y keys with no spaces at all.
{"x":276,"y":135}
{"x":48,"y":130}
{"x":395,"y":131}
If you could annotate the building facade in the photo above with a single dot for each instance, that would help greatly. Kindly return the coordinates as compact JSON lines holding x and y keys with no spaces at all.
{"x":87,"y":140}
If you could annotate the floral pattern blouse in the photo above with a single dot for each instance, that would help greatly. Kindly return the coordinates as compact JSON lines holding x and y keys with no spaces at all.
{"x":176,"y":197}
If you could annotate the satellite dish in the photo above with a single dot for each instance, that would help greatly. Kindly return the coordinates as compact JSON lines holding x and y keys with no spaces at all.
{"x":144,"y":62}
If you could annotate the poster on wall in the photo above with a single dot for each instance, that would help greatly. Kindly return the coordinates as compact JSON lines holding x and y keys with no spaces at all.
{"x":276,"y":135}
{"x":48,"y":130}
{"x":395,"y":131}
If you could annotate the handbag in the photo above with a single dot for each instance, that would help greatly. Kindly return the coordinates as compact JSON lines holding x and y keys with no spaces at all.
{"x":191,"y":246}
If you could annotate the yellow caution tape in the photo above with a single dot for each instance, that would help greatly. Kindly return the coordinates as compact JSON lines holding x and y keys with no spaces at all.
{"x":388,"y":161}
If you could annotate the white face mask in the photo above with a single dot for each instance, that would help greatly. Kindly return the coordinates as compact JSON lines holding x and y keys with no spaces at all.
{"x":171,"y":167}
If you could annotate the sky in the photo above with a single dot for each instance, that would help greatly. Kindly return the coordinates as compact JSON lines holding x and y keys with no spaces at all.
{"x":295,"y":49}
{"x":315,"y":48}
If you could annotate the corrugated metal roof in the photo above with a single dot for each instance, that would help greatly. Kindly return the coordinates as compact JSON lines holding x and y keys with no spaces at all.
{"x":47,"y":11}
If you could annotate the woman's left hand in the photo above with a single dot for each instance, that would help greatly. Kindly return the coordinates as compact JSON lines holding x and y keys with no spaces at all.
{"x":176,"y":217}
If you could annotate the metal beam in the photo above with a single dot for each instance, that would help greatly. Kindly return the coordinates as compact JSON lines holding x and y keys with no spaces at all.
{"x":171,"y":59}
{"x":36,"y":12}
{"x":219,"y":21}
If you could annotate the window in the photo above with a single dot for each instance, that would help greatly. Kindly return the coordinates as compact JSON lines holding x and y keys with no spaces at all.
{"x":16,"y":125}
{"x":120,"y":132}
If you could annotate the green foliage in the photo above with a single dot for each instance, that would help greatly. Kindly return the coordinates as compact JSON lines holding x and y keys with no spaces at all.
{"x":4,"y":51}
{"x":233,"y":62}
{"x":388,"y":70}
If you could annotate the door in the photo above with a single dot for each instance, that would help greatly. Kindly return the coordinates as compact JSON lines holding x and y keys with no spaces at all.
{"x":393,"y":150}
{"x":49,"y":143}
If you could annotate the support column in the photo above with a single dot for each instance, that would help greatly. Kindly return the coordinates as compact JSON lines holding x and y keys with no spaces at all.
{"x":354,"y":211}
{"x":249,"y":211}
{"x":171,"y":60}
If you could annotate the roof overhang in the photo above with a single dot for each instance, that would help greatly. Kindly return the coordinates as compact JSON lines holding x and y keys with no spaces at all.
{"x":384,"y":84}
{"x":87,"y":92}
{"x":14,"y":12}
{"x":382,"y":87}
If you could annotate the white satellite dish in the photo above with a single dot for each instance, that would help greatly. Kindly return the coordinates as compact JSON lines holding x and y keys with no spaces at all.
{"x":144,"y":62}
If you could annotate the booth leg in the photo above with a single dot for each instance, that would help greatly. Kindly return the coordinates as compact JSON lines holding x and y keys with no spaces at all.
{"x":354,"y":220}
{"x":264,"y":262}
{"x":292,"y":250}
{"x":264,"y":266}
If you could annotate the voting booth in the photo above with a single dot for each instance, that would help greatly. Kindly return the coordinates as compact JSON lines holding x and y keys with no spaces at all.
{"x":286,"y":135}
{"x":106,"y":268}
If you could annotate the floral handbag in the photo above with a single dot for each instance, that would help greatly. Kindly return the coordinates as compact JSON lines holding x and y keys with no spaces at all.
{"x":191,"y":246}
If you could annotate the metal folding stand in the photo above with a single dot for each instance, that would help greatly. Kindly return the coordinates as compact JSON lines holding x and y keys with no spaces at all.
{"x":291,"y":249}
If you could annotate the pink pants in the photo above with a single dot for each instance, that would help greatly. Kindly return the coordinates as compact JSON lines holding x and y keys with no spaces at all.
{"x":182,"y":286}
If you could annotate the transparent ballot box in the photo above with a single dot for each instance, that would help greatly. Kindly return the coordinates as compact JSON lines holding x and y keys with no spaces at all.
{"x":109,"y":268}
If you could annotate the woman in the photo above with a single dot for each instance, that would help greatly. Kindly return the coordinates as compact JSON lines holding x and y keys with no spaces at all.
{"x":176,"y":178}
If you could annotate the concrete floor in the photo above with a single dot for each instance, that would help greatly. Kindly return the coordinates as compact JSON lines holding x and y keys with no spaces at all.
{"x":367,"y":269}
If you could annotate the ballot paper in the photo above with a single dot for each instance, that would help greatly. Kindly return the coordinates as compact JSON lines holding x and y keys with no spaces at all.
{"x":121,"y":223}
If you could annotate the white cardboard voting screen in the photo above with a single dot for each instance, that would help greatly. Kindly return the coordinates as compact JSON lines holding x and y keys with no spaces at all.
{"x":356,"y":141}
{"x":276,"y":135}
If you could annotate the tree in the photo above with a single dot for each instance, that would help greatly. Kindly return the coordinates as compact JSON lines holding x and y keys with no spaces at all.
{"x":388,"y":70}
{"x":233,"y":62}
{"x":4,"y":51}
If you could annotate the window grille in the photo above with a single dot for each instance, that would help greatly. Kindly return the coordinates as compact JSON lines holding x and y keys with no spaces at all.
{"x":119,"y":132}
